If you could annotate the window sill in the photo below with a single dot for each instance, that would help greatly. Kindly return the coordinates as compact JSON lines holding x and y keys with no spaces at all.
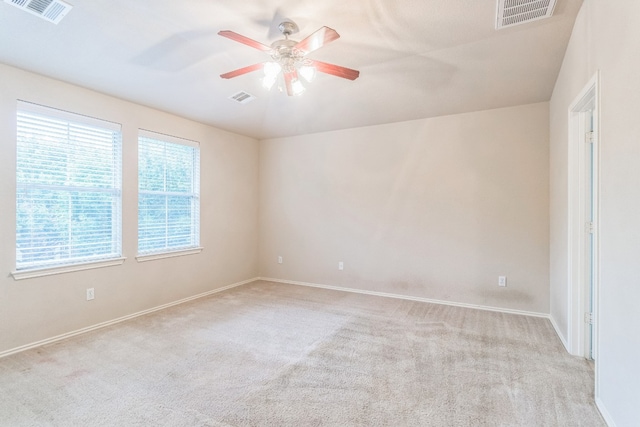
{"x":153,"y":257}
{"x":50,"y":271}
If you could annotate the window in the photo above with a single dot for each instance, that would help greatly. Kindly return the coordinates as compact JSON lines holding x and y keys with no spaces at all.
{"x":169,"y":194}
{"x":68,"y":188}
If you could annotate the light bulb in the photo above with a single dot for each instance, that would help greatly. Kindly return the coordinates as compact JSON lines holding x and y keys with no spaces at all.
{"x":269,"y":80}
{"x":271,"y":72}
{"x":297,"y":87}
{"x":271,"y":69}
{"x":307,"y":72}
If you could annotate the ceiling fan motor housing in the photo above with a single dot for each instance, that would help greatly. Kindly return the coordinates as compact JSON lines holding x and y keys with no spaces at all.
{"x":285,"y":53}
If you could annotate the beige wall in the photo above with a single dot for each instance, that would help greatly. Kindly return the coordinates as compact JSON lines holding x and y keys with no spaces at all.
{"x":435,"y":208}
{"x":40,"y":308}
{"x":606,"y":38}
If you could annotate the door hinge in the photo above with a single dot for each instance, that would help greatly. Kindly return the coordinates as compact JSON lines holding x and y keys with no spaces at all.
{"x":588,"y":227}
{"x":588,"y":318}
{"x":589,"y":137}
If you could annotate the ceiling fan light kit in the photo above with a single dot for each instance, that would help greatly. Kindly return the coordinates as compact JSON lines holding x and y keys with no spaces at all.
{"x":289,"y":59}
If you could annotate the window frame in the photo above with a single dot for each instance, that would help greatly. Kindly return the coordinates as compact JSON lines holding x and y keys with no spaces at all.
{"x":194,"y":196}
{"x":78,"y":121}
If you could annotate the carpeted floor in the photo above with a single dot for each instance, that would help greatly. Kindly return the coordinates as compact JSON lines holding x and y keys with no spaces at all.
{"x":268,"y":354}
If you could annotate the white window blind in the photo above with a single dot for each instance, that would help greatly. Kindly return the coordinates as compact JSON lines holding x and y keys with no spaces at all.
{"x":169,"y":193}
{"x":68,"y":188}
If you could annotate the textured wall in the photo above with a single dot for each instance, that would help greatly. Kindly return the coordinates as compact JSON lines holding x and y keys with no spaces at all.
{"x":606,"y":37}
{"x":39,"y":308}
{"x":434,"y":208}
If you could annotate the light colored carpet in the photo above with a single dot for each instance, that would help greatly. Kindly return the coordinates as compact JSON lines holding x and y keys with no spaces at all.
{"x":268,"y":354}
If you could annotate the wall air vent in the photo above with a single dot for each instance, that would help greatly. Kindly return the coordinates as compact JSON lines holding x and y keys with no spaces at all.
{"x":50,"y":10}
{"x":242,"y":97}
{"x":516,"y":12}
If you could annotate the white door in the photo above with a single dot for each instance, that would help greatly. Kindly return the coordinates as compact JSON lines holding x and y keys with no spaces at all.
{"x":583,"y":222}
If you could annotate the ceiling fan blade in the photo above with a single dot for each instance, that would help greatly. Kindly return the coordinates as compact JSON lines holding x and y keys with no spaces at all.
{"x":241,"y":71}
{"x":288,"y":81}
{"x":323,"y":36}
{"x":336,"y":70}
{"x":244,"y":40}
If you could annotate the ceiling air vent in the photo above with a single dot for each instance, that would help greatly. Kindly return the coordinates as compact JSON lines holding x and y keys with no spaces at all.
{"x":242,"y":97}
{"x":50,"y":10}
{"x":516,"y":12}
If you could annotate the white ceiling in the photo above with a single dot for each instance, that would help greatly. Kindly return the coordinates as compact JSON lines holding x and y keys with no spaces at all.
{"x":417,"y":58}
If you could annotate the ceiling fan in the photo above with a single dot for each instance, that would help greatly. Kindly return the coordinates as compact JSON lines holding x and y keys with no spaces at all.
{"x":289,"y":57}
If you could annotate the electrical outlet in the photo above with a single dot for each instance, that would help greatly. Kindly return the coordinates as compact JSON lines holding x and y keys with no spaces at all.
{"x":502,"y":281}
{"x":90,"y":294}
{"x":340,"y":265}
{"x":279,"y":260}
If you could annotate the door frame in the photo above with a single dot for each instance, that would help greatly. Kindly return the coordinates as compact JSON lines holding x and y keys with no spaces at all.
{"x":588,"y":99}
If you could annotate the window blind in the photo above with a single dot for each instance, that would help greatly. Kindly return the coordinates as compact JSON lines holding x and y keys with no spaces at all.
{"x":169,"y":193}
{"x":68,"y":207}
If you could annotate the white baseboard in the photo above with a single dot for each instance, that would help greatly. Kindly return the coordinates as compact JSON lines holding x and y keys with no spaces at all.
{"x":119,"y":319}
{"x":605,"y":414}
{"x":410,"y":298}
{"x":269,"y":279}
{"x":557,"y":329}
